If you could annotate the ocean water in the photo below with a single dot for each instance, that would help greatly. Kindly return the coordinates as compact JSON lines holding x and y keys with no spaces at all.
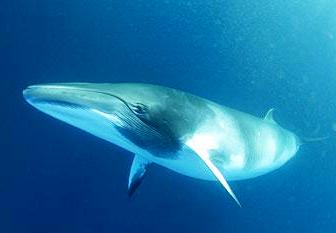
{"x":248,"y":55}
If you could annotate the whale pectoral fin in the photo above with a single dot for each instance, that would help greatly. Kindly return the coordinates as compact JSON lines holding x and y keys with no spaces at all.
{"x":204,"y":155}
{"x":137,"y":173}
{"x":219,"y":176}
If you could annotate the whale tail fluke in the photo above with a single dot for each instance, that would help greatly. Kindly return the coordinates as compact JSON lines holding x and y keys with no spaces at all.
{"x":306,"y":140}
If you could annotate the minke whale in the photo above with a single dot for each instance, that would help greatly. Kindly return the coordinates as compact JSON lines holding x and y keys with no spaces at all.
{"x":185,"y":133}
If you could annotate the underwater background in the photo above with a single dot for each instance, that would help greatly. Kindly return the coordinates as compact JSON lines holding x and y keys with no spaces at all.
{"x":248,"y":55}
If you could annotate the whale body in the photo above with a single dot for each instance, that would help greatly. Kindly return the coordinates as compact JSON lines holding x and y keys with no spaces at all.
{"x":185,"y":133}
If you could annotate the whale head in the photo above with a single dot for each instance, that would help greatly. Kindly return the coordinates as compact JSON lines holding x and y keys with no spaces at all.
{"x":137,"y":117}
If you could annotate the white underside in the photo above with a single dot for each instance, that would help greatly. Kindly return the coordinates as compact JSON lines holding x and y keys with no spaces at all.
{"x":99,"y":124}
{"x":187,"y":163}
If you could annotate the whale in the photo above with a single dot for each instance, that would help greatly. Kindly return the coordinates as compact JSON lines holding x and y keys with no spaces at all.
{"x":185,"y":133}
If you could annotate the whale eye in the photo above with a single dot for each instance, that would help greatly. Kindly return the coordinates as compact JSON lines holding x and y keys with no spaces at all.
{"x":138,"y":108}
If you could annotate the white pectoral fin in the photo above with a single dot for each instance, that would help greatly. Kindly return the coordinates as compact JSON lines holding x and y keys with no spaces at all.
{"x":137,"y":172}
{"x":220,"y":178}
{"x":204,"y":155}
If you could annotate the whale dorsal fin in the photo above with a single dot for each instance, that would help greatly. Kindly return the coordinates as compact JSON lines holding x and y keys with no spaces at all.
{"x":137,"y":172}
{"x":204,"y":155}
{"x":270,"y":116}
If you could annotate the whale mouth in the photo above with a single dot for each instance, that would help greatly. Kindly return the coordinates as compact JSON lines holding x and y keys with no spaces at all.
{"x":91,"y":107}
{"x":55,"y":94}
{"x":36,"y":100}
{"x":44,"y":94}
{"x":71,"y":104}
{"x":28,"y":94}
{"x":67,"y":96}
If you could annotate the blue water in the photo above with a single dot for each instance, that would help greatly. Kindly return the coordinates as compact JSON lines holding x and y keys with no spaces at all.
{"x":249,"y":55}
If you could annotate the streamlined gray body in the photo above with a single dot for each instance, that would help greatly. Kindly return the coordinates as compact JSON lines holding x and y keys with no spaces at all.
{"x":185,"y":133}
